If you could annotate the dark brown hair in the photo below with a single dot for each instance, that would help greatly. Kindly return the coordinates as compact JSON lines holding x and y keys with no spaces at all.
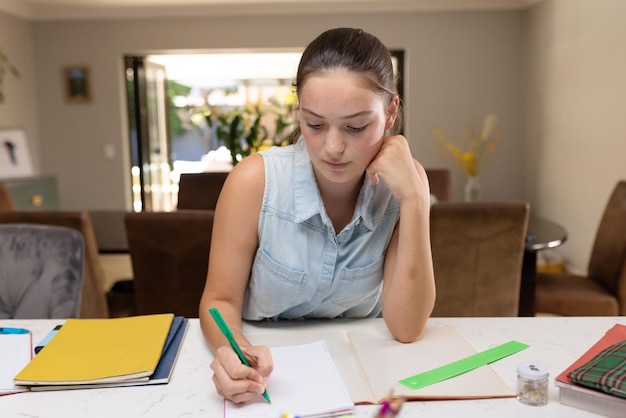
{"x":353,"y":50}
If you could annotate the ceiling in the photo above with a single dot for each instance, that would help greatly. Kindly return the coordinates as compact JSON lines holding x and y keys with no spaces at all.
{"x":119,"y":9}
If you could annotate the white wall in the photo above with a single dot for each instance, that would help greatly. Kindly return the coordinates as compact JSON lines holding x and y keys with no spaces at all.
{"x":576,"y":127}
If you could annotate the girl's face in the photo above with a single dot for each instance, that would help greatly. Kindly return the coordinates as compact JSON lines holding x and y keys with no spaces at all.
{"x":343,"y":123}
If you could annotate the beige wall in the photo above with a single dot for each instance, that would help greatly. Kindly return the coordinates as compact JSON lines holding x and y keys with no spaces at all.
{"x":19,"y":109}
{"x":460,"y":66}
{"x":554,"y":76}
{"x":576,"y":125}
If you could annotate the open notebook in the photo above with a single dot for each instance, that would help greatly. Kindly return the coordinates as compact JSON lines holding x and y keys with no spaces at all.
{"x":305,"y":382}
{"x":371,"y":363}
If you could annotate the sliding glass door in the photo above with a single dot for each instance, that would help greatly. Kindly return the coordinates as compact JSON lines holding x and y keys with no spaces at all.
{"x":148,"y":103}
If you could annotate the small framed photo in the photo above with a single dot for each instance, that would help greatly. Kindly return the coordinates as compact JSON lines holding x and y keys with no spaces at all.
{"x":77,"y":84}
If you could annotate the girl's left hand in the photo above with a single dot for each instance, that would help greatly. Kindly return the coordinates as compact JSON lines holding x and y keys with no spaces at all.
{"x":404,"y":176}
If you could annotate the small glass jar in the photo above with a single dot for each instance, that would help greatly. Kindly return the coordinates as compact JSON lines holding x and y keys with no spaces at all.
{"x":532,"y":383}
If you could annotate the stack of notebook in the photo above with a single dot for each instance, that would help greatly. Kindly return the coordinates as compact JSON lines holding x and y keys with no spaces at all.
{"x":90,"y":353}
{"x":607,"y":395}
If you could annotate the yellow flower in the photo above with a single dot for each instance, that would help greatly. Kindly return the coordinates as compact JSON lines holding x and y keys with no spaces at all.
{"x":472,"y":156}
{"x":468,"y":164}
{"x":265,"y":144}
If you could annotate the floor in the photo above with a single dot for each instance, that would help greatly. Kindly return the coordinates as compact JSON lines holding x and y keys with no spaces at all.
{"x":116,"y":267}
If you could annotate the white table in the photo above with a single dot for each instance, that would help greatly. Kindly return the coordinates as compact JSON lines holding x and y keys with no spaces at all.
{"x":556,"y":341}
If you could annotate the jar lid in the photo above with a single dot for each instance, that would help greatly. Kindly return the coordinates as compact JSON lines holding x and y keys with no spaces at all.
{"x":533,"y":371}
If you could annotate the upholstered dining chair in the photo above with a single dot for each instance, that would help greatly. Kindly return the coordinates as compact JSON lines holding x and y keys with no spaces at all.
{"x":200,"y":190}
{"x":169,"y":254}
{"x":41,"y":271}
{"x":440,"y":180}
{"x":602,"y":291}
{"x":477,"y":250}
{"x":93,"y":299}
{"x":6,"y":201}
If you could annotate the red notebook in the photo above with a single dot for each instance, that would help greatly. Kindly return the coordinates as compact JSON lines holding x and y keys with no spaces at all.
{"x":614,"y":335}
{"x":589,"y":399}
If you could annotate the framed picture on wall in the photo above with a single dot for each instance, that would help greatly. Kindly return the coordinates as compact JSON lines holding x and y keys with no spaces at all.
{"x":14,"y":154}
{"x":77,"y":84}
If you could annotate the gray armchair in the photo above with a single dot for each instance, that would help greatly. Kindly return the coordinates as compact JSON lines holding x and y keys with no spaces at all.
{"x":41,"y":271}
{"x":93,"y":303}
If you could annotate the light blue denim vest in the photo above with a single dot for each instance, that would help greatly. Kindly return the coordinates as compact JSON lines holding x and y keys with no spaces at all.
{"x":302,"y":269}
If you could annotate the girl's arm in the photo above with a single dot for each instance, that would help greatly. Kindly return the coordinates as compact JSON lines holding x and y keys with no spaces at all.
{"x":409,"y":284}
{"x":233,"y":246}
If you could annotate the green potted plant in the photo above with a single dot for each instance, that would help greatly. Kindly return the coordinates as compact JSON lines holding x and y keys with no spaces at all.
{"x":5,"y":65}
{"x":244,"y":130}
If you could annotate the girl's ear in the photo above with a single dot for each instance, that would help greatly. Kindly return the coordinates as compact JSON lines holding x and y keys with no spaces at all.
{"x":392,"y":112}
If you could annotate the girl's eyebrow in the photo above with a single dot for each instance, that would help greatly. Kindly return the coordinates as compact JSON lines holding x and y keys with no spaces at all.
{"x":357,"y":114}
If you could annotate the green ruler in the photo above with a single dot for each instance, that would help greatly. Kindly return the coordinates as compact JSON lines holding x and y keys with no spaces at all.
{"x":462,"y":366}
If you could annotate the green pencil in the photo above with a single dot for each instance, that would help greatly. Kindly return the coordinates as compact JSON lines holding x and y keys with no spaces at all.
{"x":219,"y":320}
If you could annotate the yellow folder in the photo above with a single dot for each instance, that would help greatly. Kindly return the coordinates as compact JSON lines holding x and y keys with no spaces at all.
{"x":99,"y":351}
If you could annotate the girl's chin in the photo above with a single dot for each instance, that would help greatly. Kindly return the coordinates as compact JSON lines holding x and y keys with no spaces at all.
{"x":341,"y":178}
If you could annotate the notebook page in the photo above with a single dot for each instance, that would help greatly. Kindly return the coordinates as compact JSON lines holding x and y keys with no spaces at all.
{"x":15,"y":353}
{"x":386,"y":361}
{"x":339,"y":346}
{"x":305,"y":382}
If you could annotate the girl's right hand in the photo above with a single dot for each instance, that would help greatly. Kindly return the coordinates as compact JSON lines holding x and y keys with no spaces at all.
{"x":236,"y":381}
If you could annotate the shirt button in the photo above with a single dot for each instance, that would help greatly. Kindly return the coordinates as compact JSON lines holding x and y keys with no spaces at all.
{"x":358,"y":222}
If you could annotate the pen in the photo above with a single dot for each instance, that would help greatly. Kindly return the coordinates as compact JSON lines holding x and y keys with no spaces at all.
{"x":219,"y":320}
{"x":45,"y":341}
{"x":390,"y":407}
{"x":7,"y":330}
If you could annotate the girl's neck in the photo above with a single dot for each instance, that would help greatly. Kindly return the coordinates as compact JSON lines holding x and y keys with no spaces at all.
{"x":340,"y":200}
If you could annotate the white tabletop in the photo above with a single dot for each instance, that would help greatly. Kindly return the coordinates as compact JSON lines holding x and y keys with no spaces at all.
{"x":555,"y":341}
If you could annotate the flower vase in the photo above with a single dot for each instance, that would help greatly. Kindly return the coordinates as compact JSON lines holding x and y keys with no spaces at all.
{"x":472,"y":189}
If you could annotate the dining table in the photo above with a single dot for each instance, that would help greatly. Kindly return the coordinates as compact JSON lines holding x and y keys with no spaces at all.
{"x":554,"y":341}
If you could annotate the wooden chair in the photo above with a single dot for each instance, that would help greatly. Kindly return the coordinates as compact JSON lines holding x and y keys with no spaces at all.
{"x":602,"y":291}
{"x":477,"y":250}
{"x":6,"y":201}
{"x":440,"y":180}
{"x":93,"y":300}
{"x":42,"y":271}
{"x":169,"y":254}
{"x":200,"y":190}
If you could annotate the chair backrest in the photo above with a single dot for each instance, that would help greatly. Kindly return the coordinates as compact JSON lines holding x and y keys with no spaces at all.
{"x":200,"y":190}
{"x":93,"y":302}
{"x":440,"y":180}
{"x":477,"y":250}
{"x":6,"y":201}
{"x":169,"y":253}
{"x":41,"y":271}
{"x":607,"y":264}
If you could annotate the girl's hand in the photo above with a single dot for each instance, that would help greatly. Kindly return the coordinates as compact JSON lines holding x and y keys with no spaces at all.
{"x":236,"y":381}
{"x":403,"y":175}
